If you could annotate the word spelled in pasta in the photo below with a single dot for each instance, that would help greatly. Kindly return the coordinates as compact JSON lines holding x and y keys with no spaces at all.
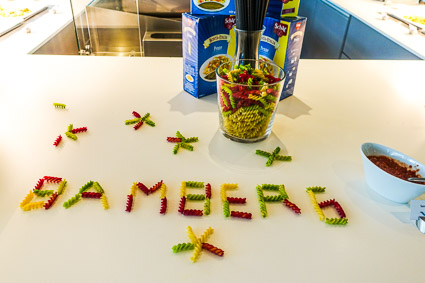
{"x":281,"y":197}
{"x":342,"y":220}
{"x":227,"y":200}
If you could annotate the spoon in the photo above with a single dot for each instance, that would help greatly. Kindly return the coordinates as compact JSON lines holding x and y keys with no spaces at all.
{"x":421,"y":180}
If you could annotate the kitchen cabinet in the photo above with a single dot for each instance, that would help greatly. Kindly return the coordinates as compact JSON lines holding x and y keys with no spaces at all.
{"x":326,"y":28}
{"x":334,"y":32}
{"x":364,"y":42}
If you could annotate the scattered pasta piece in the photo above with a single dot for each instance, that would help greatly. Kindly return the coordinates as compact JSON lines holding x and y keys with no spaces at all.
{"x":58,"y":140}
{"x":212,"y":249}
{"x":182,"y":142}
{"x":140,"y":120}
{"x":183,"y":247}
{"x":59,"y":105}
{"x":273,"y":156}
{"x":71,"y":136}
{"x":197,"y":244}
{"x":79,"y":130}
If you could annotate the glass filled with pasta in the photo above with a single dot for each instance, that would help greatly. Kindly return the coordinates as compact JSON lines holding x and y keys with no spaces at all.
{"x":248,"y":93}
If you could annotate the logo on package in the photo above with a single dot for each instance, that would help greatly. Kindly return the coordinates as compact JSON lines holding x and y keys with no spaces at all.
{"x":229,"y":22}
{"x":280,"y":29}
{"x":286,"y":1}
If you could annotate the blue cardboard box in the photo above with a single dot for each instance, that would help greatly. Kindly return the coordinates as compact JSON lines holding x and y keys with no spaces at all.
{"x":211,"y":40}
{"x":276,"y":8}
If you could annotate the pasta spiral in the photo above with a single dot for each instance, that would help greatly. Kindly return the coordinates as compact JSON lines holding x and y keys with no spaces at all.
{"x":315,"y":205}
{"x":61,"y":187}
{"x":72,"y":201}
{"x":33,"y":205}
{"x":104,"y":201}
{"x":207,"y":206}
{"x":183,"y":247}
{"x":85,"y":187}
{"x":43,"y":193}
{"x":212,"y":249}
{"x":193,"y":184}
{"x":336,"y":221}
{"x":195,"y":197}
{"x":27,"y":199}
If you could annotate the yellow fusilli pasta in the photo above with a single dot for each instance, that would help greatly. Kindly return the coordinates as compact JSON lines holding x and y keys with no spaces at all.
{"x":33,"y":205}
{"x":316,"y":205}
{"x":27,"y":199}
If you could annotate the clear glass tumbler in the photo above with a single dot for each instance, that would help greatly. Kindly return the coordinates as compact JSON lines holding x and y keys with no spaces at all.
{"x":247,"y":98}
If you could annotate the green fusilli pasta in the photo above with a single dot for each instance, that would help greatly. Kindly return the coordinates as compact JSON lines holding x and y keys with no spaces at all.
{"x":273,"y":198}
{"x":186,"y":146}
{"x":61,"y":187}
{"x":283,"y":158}
{"x":193,"y":184}
{"x":270,"y":187}
{"x":183,"y":247}
{"x":195,"y":197}
{"x":72,"y":201}
{"x":192,"y":139}
{"x":263,"y":208}
{"x":43,"y":193}
{"x":71,"y":136}
{"x":226,"y":209}
{"x":207,"y":206}
{"x":133,"y":121}
{"x":70,"y":127}
{"x":336,"y":221}
{"x":85,"y":187}
{"x":98,"y":188}
{"x":176,"y":148}
{"x":316,"y":189}
{"x":283,"y":192}
{"x":59,"y":105}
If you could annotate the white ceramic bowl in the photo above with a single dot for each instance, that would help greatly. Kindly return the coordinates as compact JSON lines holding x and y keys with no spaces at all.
{"x":385,"y":184}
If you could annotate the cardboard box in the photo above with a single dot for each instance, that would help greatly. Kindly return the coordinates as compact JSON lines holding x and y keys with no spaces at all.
{"x":276,"y":8}
{"x":281,"y":43}
{"x":207,"y":42}
{"x":210,"y":40}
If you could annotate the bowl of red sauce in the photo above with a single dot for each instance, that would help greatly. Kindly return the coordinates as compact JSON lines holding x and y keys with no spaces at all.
{"x":387,"y":170}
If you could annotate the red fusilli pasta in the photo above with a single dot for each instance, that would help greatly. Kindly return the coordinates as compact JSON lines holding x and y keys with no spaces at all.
{"x":39,"y":184}
{"x":292,"y":206}
{"x":144,"y":189}
{"x":91,"y":195}
{"x":156,"y":187}
{"x":57,"y":141}
{"x":50,"y":201}
{"x":172,"y":139}
{"x":51,"y":179}
{"x":79,"y":130}
{"x":212,"y":249}
{"x":240,"y":214}
{"x":138,"y":125}
{"x":193,"y":212}
{"x":137,"y":115}
{"x":208,"y":190}
{"x":182,"y":204}
{"x":129,"y":204}
{"x":163,"y":208}
{"x":236,"y":200}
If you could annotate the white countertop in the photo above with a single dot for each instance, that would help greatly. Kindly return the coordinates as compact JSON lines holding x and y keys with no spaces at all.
{"x":338,"y":105}
{"x":369,"y":12}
